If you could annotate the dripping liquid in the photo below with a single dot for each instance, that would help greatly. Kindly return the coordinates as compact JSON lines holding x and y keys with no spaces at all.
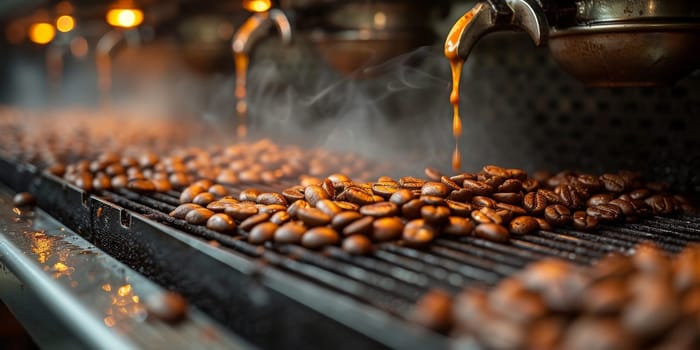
{"x":241,"y":61}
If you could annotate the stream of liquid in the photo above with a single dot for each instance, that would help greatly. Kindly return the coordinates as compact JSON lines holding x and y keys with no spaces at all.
{"x":456,"y":65}
{"x":241,"y":60}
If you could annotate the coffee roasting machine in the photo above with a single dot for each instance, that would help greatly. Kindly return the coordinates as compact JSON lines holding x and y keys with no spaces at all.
{"x":591,"y":85}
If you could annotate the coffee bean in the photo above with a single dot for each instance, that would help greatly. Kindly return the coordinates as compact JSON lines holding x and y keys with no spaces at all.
{"x":459,"y":178}
{"x":613,"y":183}
{"x":660,"y":205}
{"x":418,"y":233}
{"x":387,"y":229}
{"x":435,"y":215}
{"x":492,"y":180}
{"x":162,"y":185}
{"x":514,"y":302}
{"x":253,"y":220}
{"x":523,"y":225}
{"x":434,"y":311}
{"x":551,"y":196}
{"x":203,"y":183}
{"x":510,"y":185}
{"x":203,"y":198}
{"x":358,"y":195}
{"x":319,"y":237}
{"x":361,"y":226}
{"x":198,"y":216}
{"x":557,"y":215}
{"x":484,"y":202}
{"x":624,"y":205}
{"x":641,"y":193}
{"x":190,"y":192}
{"x":432,"y":200}
{"x":220,"y":205}
{"x":590,"y":182}
{"x":411,"y":209}
{"x":461,"y":195}
{"x":347,"y":205}
{"x":357,"y":245}
{"x":270,"y":208}
{"x":598,"y":199}
{"x":183,"y":209}
{"x":544,"y":225}
{"x":487,"y":216}
{"x":102,"y":182}
{"x":530,"y":185}
{"x":241,"y":211}
{"x":451,"y":185}
{"x":329,"y":207}
{"x":380,"y":209}
{"x":313,"y":217}
{"x":587,"y":333}
{"x":385,"y":189}
{"x":141,"y":186}
{"x":341,"y":220}
{"x":296,"y":205}
{"x":120,"y":181}
{"x":496,"y":171}
{"x":267,"y":231}
{"x":508,"y":197}
{"x":290,"y":232}
{"x":168,"y":307}
{"x":293,"y":194}
{"x":401,"y":197}
{"x":652,"y":308}
{"x":569,"y":197}
{"x":268,"y":198}
{"x":459,"y":226}
{"x":513,"y":210}
{"x":411,"y":183}
{"x":221,"y":223}
{"x":280,"y":217}
{"x":329,"y":187}
{"x":477,"y":188}
{"x":583,"y":221}
{"x":249,"y":194}
{"x":437,"y":189}
{"x":492,"y":232}
{"x":433,"y":173}
{"x":605,"y":297}
{"x":458,"y":208}
{"x":23,"y":199}
{"x":605,"y":212}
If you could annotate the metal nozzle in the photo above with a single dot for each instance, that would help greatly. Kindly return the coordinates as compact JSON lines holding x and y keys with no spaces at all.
{"x":257,"y":26}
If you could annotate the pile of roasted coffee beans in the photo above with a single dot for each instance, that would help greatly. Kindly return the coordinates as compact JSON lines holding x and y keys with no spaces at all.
{"x":492,"y":204}
{"x":646,"y":300}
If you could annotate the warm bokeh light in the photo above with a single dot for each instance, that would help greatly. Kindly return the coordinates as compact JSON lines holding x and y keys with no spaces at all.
{"x":79,"y":47}
{"x":257,"y":5}
{"x":41,"y":33}
{"x":65,"y":23}
{"x":124,"y":18}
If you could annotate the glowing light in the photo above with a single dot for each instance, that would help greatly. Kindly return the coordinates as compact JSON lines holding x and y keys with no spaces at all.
{"x":107,"y":287}
{"x":60,"y":267}
{"x":41,"y":33}
{"x":65,"y":23}
{"x":124,"y":18}
{"x":379,"y":20}
{"x":257,"y":5}
{"x":124,"y":290}
{"x":79,"y":48}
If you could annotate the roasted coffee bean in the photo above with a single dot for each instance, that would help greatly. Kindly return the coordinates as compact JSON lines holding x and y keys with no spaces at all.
{"x":494,"y":170}
{"x":598,"y":199}
{"x":296,"y":205}
{"x":290,"y":232}
{"x":177,"y":180}
{"x":652,"y":308}
{"x":523,"y":225}
{"x":511,"y":300}
{"x":280,"y":217}
{"x":385,"y":189}
{"x":477,"y":188}
{"x":487,"y":216}
{"x":557,"y":215}
{"x":358,"y":195}
{"x":268,"y":198}
{"x":120,"y":181}
{"x":433,"y":173}
{"x":411,"y":183}
{"x":411,"y":209}
{"x":218,"y":190}
{"x":329,"y":207}
{"x":506,"y":215}
{"x":437,"y":189}
{"x":650,"y":260}
{"x":141,"y":186}
{"x":418,"y":233}
{"x":380,"y":209}
{"x":491,"y":232}
{"x":241,"y":211}
{"x":544,"y":225}
{"x":387,"y":229}
{"x":319,"y":237}
{"x":510,"y":185}
{"x":347,"y":205}
{"x":432,"y":200}
{"x":267,"y":231}
{"x":459,"y":178}
{"x":401,"y":197}
{"x":249,"y":194}
{"x":640,"y":193}
{"x":461,"y":195}
{"x":588,"y":333}
{"x":59,"y":169}
{"x":484,"y":202}
{"x":660,"y":205}
{"x":183,"y":209}
{"x":270,"y":208}
{"x":253,"y":220}
{"x":313,"y":217}
{"x":458,"y":208}
{"x":451,"y":185}
{"x":190,"y":192}
{"x":198,"y":216}
{"x":459,"y":226}
{"x":686,"y":269}
{"x":492,"y":180}
{"x":435,"y":215}
{"x":357,"y":245}
{"x":341,"y":220}
{"x":203,"y":183}
{"x":626,"y":206}
{"x":328,"y":186}
{"x":613,"y":183}
{"x":168,"y":307}
{"x":569,"y":197}
{"x":221,"y":223}
{"x":220,"y":205}
{"x":434,"y":311}
{"x":23,"y":199}
{"x":605,"y":212}
{"x":583,"y":221}
{"x":514,"y":210}
{"x":530,"y":185}
{"x":590,"y":182}
{"x":293,"y":194}
{"x":605,"y":297}
{"x":508,"y":197}
{"x":361,"y":226}
{"x":203,"y":198}
{"x":162,"y":185}
{"x":641,"y":208}
{"x":101,"y":182}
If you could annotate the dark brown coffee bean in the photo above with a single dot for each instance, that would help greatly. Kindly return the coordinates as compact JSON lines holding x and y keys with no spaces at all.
{"x":494,"y":170}
{"x":461,"y":195}
{"x":203,"y":183}
{"x":357,"y":245}
{"x":492,"y":180}
{"x":358,"y":195}
{"x":484,"y":202}
{"x":183,"y":209}
{"x":290,"y":232}
{"x":557,"y":215}
{"x":586,"y":333}
{"x":613,"y":183}
{"x":120,"y":181}
{"x":280,"y":217}
{"x":641,"y":193}
{"x":492,"y":232}
{"x":598,"y":199}
{"x":347,"y":205}
{"x":411,"y":183}
{"x":508,"y":197}
{"x":240,"y":211}
{"x":510,"y":185}
{"x":23,"y":199}
{"x":459,"y":178}
{"x":203,"y":199}
{"x":385,"y":189}
{"x":313,"y":217}
{"x":433,"y":173}
{"x":652,"y":308}
{"x":552,"y":198}
{"x":268,"y":198}
{"x":523,"y":225}
{"x":626,"y":206}
{"x":270,"y":208}
{"x":329,"y":187}
{"x":434,"y":311}
{"x":221,"y":223}
{"x":432,"y":200}
{"x":341,"y":220}
{"x":411,"y":209}
{"x":590,"y":182}
{"x":380,"y":209}
{"x":102,"y":182}
{"x":418,"y":233}
{"x":458,"y":208}
{"x":401,"y":197}
{"x":319,"y":237}
{"x":513,"y":210}
{"x":487,"y":216}
{"x":530,"y":185}
{"x":249,"y":194}
{"x":266,"y":232}
{"x":660,"y":205}
{"x":459,"y":226}
{"x":296,"y":205}
{"x":435,"y":215}
{"x":387,"y":229}
{"x":361,"y":226}
{"x":605,"y":212}
{"x":583,"y":221}
{"x":168,"y":307}
{"x":641,"y":208}
{"x":141,"y":186}
{"x":293,"y":194}
{"x":253,"y":220}
{"x":329,"y":207}
{"x":162,"y":185}
{"x":651,"y":260}
{"x":190,"y":192}
{"x":437,"y":189}
{"x":477,"y":188}
{"x":544,"y":225}
{"x":451,"y":185}
{"x":198,"y":216}
{"x":220,"y":205}
{"x":569,"y":197}
{"x":511,"y":300}
{"x":605,"y":297}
